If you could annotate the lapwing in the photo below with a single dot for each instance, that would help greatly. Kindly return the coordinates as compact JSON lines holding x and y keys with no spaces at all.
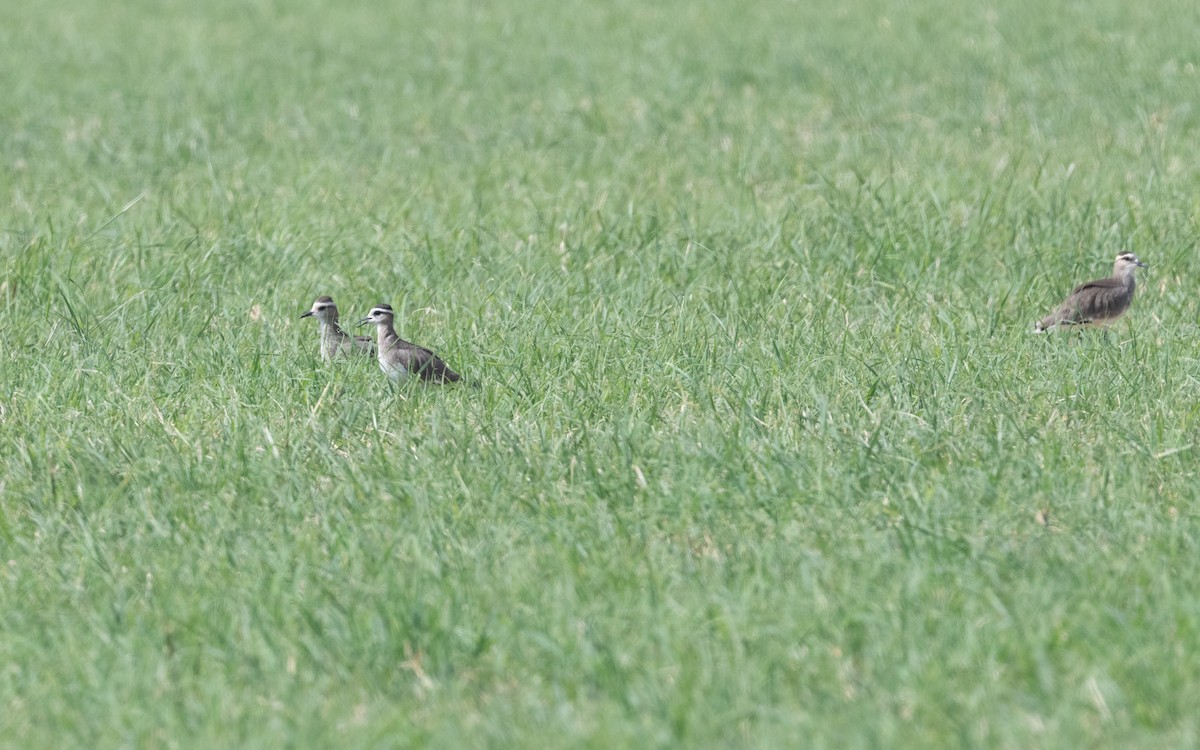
{"x":398,"y":358}
{"x":334,"y":341}
{"x":1100,"y":302}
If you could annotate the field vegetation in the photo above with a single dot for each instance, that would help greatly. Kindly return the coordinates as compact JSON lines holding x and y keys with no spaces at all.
{"x":764,"y":452}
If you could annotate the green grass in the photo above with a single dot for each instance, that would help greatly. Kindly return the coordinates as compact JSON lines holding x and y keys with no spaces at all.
{"x":764,"y":455}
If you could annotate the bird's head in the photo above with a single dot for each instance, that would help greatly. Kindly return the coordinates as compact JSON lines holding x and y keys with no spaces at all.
{"x":323,"y":309}
{"x":1126,"y":262}
{"x":379,"y":315}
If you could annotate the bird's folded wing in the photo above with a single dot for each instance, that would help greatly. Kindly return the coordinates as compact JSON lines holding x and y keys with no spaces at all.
{"x":1098,"y":284}
{"x":1096,"y":300}
{"x":425,"y":363}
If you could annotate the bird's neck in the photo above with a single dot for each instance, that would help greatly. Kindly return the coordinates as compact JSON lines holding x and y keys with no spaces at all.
{"x":331,"y":330}
{"x":387,"y":336}
{"x":1125,"y":274}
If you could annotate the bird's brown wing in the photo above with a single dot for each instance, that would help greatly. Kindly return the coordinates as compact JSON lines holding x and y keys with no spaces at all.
{"x":365,"y":344}
{"x":1102,"y":299}
{"x":353,"y":344}
{"x":425,"y":364}
{"x":1097,"y":284}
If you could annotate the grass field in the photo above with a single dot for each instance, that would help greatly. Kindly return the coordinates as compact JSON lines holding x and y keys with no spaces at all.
{"x":765,"y":454}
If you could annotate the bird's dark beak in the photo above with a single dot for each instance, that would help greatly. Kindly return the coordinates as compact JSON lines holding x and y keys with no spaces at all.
{"x":1143,"y":265}
{"x":306,"y":315}
{"x":364,"y":321}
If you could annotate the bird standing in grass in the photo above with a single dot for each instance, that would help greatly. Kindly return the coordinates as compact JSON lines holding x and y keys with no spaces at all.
{"x":334,"y":341}
{"x":398,"y":358}
{"x":1100,"y":302}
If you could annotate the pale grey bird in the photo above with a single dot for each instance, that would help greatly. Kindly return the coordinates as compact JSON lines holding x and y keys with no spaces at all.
{"x":334,"y":341}
{"x":398,"y":358}
{"x":1098,"y":302}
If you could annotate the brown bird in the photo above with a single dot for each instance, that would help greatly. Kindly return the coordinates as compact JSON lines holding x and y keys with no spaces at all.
{"x":1098,"y":302}
{"x":334,"y":341}
{"x":398,"y":358}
